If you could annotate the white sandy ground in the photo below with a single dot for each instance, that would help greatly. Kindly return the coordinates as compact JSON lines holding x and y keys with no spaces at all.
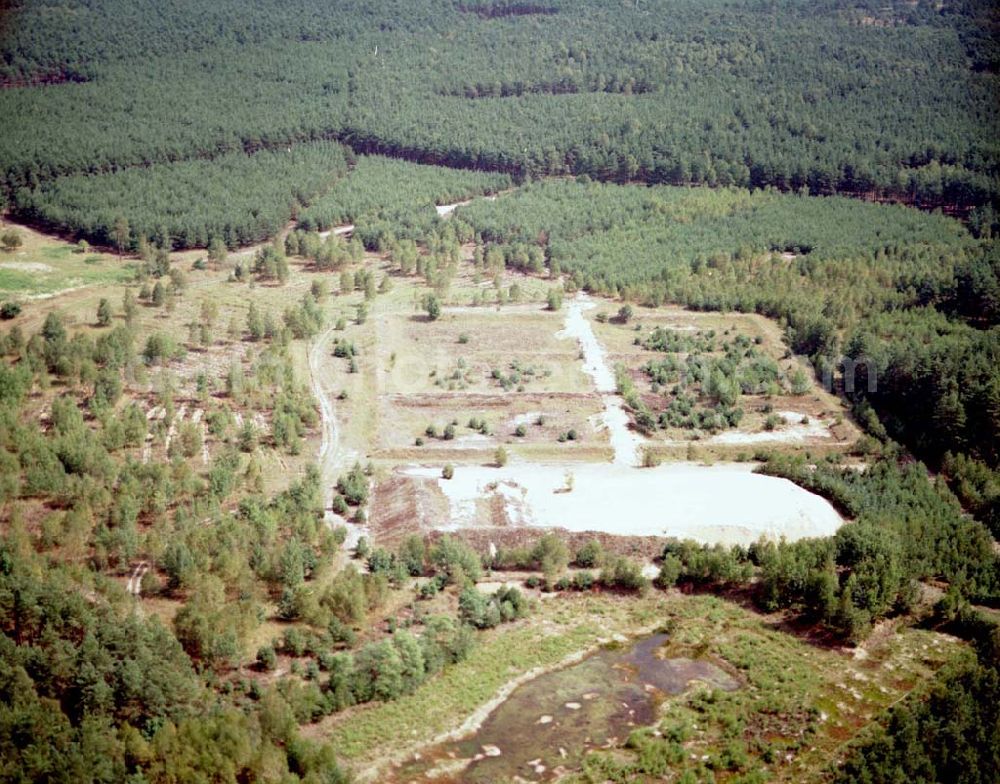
{"x":339,"y":230}
{"x":26,"y":266}
{"x":134,"y":585}
{"x":725,"y":502}
{"x":445,"y":210}
{"x":448,"y":209}
{"x":626,"y":443}
{"x":794,"y":432}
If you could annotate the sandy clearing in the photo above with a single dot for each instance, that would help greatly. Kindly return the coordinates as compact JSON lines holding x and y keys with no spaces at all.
{"x":445,"y":210}
{"x":793,"y":433}
{"x":172,"y":430}
{"x":725,"y":503}
{"x":134,"y":585}
{"x":204,"y":443}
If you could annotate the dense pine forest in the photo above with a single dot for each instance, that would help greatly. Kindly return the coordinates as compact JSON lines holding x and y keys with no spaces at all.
{"x":874,"y":99}
{"x":237,"y":198}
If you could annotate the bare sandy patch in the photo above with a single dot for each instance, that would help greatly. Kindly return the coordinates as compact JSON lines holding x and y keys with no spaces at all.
{"x":799,"y":429}
{"x":26,"y":266}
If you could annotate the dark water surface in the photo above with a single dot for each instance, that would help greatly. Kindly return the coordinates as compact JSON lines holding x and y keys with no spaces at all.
{"x":546,"y":725}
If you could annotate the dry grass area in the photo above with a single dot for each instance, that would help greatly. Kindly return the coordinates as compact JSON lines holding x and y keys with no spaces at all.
{"x":516,"y":419}
{"x":74,"y":293}
{"x":466,"y":348}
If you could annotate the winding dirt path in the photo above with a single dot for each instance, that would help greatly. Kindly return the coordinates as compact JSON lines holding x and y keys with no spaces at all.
{"x":332,"y":458}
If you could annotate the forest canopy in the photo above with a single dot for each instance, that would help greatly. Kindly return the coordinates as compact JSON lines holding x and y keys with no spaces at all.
{"x":237,"y":198}
{"x":873,"y":99}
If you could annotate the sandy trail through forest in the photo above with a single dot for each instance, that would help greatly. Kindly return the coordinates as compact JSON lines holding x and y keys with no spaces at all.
{"x":331,"y":458}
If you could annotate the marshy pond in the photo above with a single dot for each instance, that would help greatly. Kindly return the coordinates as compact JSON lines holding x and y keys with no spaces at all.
{"x":547,"y":725}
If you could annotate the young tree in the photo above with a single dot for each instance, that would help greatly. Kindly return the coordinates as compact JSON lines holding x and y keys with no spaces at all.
{"x":103,"y":313}
{"x":217,"y":252}
{"x":411,"y":656}
{"x":267,"y":659}
{"x":11,"y":240}
{"x":159,"y":295}
{"x":590,"y":555}
{"x":121,"y":233}
{"x":130,"y":307}
{"x":550,"y":555}
{"x":433,"y":307}
{"x":378,"y":672}
{"x":255,"y":323}
{"x":799,"y":382}
{"x":412,"y":554}
{"x":476,"y":609}
{"x":318,"y":290}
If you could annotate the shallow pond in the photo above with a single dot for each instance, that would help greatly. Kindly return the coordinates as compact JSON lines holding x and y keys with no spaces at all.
{"x":724,"y":502}
{"x":546,"y":725}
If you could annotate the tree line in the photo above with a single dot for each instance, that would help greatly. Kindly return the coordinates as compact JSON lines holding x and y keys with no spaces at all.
{"x":904,"y":531}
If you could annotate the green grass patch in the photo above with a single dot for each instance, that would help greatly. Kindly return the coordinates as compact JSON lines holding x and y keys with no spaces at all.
{"x":48,"y":266}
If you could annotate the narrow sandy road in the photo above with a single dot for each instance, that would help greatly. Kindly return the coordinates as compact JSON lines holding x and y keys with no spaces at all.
{"x":625,"y":442}
{"x":330,"y":441}
{"x":331,"y":458}
{"x":338,"y":231}
{"x":444,"y":210}
{"x":134,"y":585}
